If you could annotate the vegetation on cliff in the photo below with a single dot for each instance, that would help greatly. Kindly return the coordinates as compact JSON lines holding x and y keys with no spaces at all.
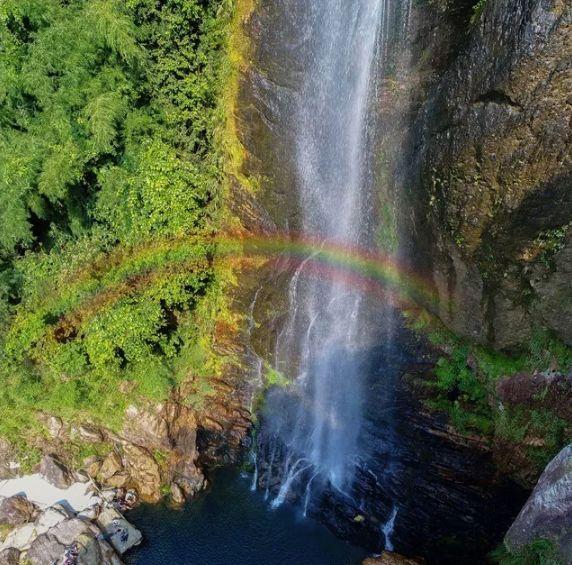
{"x":111,"y":187}
{"x":472,"y":384}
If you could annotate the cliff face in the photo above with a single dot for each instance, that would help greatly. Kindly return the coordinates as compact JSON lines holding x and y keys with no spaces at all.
{"x":488,"y":164}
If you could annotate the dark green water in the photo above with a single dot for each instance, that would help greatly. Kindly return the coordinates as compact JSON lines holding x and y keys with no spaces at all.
{"x":229,"y":524}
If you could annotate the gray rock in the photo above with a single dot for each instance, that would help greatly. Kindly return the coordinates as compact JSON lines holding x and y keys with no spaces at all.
{"x":10,"y":556}
{"x":9,"y":466}
{"x":177,"y":494}
{"x":50,"y":518}
{"x":548,"y":511}
{"x":17,"y":510}
{"x":118,"y":531}
{"x":112,"y":465}
{"x":49,"y":548}
{"x":21,"y":538}
{"x":55,"y":472}
{"x":55,"y":426}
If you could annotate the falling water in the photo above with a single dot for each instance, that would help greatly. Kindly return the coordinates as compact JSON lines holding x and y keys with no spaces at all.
{"x":324,"y":331}
{"x":311,"y":435}
{"x":387,"y":529}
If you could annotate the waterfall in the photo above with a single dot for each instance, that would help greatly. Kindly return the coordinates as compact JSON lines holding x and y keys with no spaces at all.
{"x":330,"y":121}
{"x":387,"y":529}
{"x":312,"y":432}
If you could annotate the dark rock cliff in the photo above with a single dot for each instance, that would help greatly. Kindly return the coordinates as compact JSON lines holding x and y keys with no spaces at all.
{"x":487,"y":166}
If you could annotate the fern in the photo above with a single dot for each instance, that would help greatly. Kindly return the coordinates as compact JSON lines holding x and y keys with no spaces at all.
{"x":103,"y":114}
{"x":113,"y":29}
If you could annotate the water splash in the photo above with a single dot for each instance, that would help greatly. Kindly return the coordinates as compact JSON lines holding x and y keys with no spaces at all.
{"x":291,"y":475}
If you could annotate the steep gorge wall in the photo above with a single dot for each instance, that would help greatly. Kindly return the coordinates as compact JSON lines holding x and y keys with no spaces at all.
{"x":487,"y":167}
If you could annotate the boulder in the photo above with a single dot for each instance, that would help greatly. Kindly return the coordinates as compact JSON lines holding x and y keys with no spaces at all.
{"x":50,"y":518}
{"x":90,"y":434}
{"x":191,"y":484}
{"x":118,"y":480}
{"x":55,"y":472}
{"x":390,"y":558}
{"x":17,"y":510}
{"x":49,"y":547}
{"x":549,"y":390}
{"x":20,"y":538}
{"x":9,"y":556}
{"x":112,"y":472}
{"x":55,"y":426}
{"x":144,"y":472}
{"x":118,"y":531}
{"x":548,"y":511}
{"x":8,"y":461}
{"x":147,"y":427}
{"x":92,"y":465}
{"x":177,"y":494}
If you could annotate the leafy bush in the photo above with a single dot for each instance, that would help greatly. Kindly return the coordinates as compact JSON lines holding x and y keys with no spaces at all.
{"x":465,"y":382}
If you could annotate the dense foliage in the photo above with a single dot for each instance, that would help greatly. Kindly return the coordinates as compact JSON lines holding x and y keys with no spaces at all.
{"x":110,"y":178}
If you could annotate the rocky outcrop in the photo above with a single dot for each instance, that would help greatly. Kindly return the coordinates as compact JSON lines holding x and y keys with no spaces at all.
{"x":143,"y":471}
{"x":538,"y":410}
{"x":548,"y":512}
{"x":488,"y":167}
{"x":9,"y":556}
{"x":117,"y":531}
{"x":100,"y":534}
{"x":550,"y":390}
{"x":49,"y":547}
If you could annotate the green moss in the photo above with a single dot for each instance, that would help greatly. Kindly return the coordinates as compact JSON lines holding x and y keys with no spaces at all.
{"x":550,"y":242}
{"x":79,"y":451}
{"x":550,"y":431}
{"x":477,"y":10}
{"x":273,"y":377}
{"x":387,"y":228}
{"x":5,"y":529}
{"x":538,"y":552}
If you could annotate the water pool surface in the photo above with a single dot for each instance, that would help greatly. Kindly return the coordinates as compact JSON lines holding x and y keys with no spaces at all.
{"x":230,"y":524}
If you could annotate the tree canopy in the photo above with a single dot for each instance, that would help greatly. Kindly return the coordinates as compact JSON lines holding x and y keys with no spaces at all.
{"x":109,"y":174}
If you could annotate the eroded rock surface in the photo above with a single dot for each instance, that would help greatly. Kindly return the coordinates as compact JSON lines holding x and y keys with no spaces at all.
{"x":489,"y":166}
{"x":101,"y":533}
{"x":10,"y":556}
{"x":548,"y":511}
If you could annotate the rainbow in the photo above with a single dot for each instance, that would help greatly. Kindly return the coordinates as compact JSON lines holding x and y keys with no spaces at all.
{"x":372,"y":271}
{"x":110,"y":276}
